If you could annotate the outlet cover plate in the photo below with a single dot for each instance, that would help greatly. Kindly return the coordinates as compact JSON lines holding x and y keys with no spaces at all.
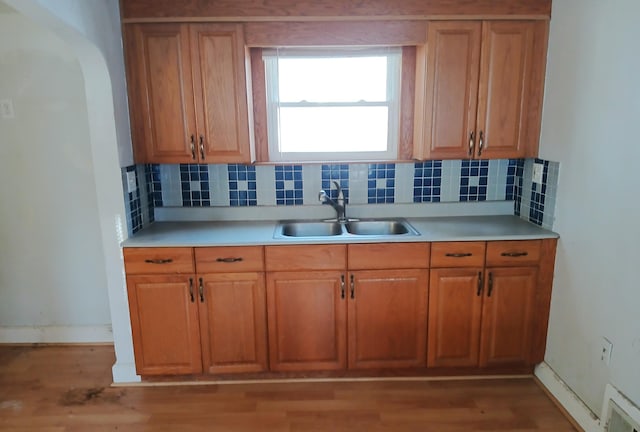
{"x":131,"y":182}
{"x":605,"y":351}
{"x":538,"y":170}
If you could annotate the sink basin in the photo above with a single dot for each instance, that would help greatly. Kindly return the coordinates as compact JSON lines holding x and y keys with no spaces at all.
{"x":310,"y":229}
{"x":379,"y":228}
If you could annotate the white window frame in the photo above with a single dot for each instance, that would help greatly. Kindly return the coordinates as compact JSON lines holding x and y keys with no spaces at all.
{"x":394,"y":69}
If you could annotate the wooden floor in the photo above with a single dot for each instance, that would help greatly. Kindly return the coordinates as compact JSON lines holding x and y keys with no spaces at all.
{"x":53,"y":389}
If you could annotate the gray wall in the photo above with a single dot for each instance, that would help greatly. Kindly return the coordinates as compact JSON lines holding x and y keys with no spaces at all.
{"x":590,"y":125}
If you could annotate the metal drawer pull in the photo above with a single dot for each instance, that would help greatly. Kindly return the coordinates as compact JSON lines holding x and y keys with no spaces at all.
{"x":201,"y":291}
{"x":490,"y":284}
{"x":191,"y":290}
{"x":459,"y":255}
{"x":481,"y":144}
{"x":514,"y":254}
{"x":353,"y":288}
{"x":342,"y":285}
{"x":479,"y":292}
{"x":159,"y":261}
{"x":229,"y":260}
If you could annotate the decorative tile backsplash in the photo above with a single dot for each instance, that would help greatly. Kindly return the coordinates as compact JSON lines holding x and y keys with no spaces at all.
{"x":233,"y":185}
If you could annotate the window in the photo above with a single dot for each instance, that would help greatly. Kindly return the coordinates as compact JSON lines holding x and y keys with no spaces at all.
{"x":339,"y":104}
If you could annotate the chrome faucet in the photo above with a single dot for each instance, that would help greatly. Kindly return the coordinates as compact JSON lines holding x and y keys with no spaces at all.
{"x":339,"y":205}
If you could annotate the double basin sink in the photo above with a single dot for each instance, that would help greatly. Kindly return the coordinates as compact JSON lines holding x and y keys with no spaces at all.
{"x":370,"y":228}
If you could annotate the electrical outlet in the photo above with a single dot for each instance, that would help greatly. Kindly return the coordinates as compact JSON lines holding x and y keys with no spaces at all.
{"x":538,"y":169}
{"x":131,"y":182}
{"x":605,"y":351}
{"x":6,"y":109}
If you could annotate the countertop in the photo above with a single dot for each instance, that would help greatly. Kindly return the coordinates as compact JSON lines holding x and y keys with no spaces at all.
{"x":430,"y":229}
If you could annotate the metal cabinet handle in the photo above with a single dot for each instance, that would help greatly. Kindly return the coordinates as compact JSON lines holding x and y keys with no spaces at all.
{"x":514,"y":254}
{"x":490,"y":284}
{"x":229,"y":260}
{"x":353,"y":287}
{"x":191,"y":290}
{"x":193,"y":147}
{"x":201,"y":147}
{"x":342,"y":287}
{"x":480,"y":143}
{"x":159,"y":261}
{"x":479,"y":292}
{"x":201,"y":291}
{"x":458,"y":255}
{"x":472,"y":143}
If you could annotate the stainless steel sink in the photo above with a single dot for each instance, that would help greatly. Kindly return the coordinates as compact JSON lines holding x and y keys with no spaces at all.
{"x":379,"y":228}
{"x":355,"y":228}
{"x":309,"y":229}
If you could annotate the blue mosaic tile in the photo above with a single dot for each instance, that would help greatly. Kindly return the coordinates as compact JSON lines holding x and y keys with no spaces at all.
{"x":148,"y":173}
{"x":427,"y":181}
{"x":474,"y":177}
{"x":381,"y":183}
{"x":536,"y":204}
{"x":134,"y":218}
{"x":339,"y":173}
{"x":288,"y":184}
{"x":194,"y":181}
{"x":242,"y":185}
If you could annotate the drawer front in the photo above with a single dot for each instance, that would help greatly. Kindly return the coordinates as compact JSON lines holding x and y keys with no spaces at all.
{"x":305,"y":257}
{"x":513,"y":253}
{"x":457,"y":254}
{"x":158,"y":260}
{"x":230,"y":259}
{"x":388,"y":256}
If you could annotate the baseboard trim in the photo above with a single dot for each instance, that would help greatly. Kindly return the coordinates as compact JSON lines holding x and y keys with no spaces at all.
{"x":571,"y":404}
{"x":56,"y":334}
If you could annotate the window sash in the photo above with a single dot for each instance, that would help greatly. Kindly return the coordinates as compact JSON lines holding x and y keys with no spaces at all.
{"x":394,"y":61}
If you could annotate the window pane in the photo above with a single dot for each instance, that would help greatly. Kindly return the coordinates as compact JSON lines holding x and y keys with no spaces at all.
{"x":336,"y":79}
{"x":341,"y":129}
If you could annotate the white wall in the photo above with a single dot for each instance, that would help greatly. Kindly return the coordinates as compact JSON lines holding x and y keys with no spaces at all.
{"x":52,"y":271}
{"x":591,"y":125}
{"x":99,"y":22}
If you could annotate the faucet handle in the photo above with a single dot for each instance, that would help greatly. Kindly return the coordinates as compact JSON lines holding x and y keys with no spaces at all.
{"x":339,"y":190}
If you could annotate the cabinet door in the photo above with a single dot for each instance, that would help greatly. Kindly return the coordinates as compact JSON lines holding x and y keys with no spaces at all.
{"x":505,"y":74}
{"x":221,"y":92}
{"x":387,"y":318}
{"x":164,"y":324}
{"x":307,"y":320}
{"x":455,"y":306}
{"x":233,"y":322}
{"x":507,"y":316}
{"x":161,"y":93}
{"x":448,"y":103}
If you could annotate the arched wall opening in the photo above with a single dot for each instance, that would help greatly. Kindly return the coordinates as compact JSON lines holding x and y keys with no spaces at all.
{"x":62,"y":214}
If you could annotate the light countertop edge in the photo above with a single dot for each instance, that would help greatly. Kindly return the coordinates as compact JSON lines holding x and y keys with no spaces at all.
{"x":246,"y":233}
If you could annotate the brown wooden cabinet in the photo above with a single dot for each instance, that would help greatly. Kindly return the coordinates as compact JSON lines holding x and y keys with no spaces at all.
{"x":372,"y":295}
{"x":185,"y":322}
{"x":484,"y":316}
{"x":163,"y":310}
{"x":387,"y":318}
{"x":188,"y":93}
{"x":479,"y":88}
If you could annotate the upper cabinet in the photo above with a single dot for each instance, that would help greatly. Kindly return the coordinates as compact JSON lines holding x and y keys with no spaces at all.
{"x":479,"y":88}
{"x":188,"y":93}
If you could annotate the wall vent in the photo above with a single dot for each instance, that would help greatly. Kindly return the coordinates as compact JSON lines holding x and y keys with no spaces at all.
{"x":622,"y":414}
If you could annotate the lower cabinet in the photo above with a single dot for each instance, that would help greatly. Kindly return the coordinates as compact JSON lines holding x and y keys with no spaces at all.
{"x":187,"y":322}
{"x":483,"y":315}
{"x":449,"y":305}
{"x":307,"y":320}
{"x":164,"y":324}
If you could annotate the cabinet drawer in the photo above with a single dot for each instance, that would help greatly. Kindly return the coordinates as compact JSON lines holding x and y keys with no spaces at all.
{"x":388,"y":256}
{"x":305,"y":257}
{"x":457,"y":254}
{"x":518,"y":252}
{"x":229,"y":259}
{"x":158,"y":260}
